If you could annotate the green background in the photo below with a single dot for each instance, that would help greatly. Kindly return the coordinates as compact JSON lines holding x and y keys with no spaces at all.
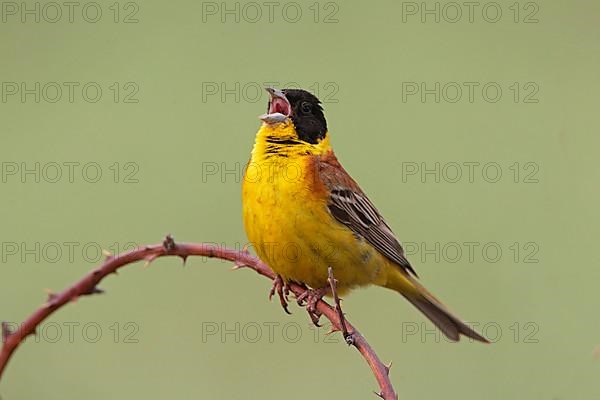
{"x":542,"y":315}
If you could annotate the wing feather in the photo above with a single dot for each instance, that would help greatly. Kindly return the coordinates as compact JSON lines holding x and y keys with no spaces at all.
{"x":349,"y":205}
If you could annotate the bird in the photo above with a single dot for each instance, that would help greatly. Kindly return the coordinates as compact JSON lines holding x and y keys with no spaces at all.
{"x":304,"y":214}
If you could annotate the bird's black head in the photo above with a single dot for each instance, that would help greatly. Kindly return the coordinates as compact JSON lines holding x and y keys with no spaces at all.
{"x":303,"y":108}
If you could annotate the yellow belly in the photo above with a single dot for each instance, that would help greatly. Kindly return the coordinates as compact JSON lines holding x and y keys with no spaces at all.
{"x":295,"y":234}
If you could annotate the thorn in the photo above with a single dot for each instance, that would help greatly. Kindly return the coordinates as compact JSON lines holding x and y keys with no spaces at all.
{"x":184,"y":259}
{"x":388,"y":367}
{"x":107,"y":253}
{"x":115,"y":272}
{"x":149,"y":260}
{"x":169,"y":243}
{"x":245,"y":249}
{"x":238,"y":265}
{"x":51,"y":295}
{"x":332,"y":330}
{"x":378,"y":394}
{"x":94,"y":290}
{"x":97,"y":290}
{"x":6,"y":332}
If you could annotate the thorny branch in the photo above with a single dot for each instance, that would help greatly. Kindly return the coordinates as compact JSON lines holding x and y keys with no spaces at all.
{"x":88,"y":286}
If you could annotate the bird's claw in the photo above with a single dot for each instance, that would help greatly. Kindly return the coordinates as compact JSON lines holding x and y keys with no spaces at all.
{"x":283,"y":292}
{"x":311,"y":297}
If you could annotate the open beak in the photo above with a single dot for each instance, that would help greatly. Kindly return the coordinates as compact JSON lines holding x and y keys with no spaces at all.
{"x":279,"y":107}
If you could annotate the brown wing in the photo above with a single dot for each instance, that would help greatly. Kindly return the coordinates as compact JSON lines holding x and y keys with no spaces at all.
{"x":351,"y":207}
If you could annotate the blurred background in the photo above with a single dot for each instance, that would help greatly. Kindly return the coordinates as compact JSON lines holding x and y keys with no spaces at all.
{"x":472,"y":128}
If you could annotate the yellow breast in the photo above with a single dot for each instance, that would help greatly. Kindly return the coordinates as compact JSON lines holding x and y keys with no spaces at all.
{"x":287,"y":220}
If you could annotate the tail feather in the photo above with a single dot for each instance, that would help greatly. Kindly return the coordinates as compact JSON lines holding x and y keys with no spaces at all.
{"x":450,"y":325}
{"x":433,"y":309}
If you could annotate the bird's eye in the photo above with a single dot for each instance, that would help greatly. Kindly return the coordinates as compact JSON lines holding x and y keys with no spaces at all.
{"x":306,"y":107}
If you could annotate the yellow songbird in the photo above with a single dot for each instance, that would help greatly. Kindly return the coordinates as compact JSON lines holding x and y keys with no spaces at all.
{"x":303,"y":214}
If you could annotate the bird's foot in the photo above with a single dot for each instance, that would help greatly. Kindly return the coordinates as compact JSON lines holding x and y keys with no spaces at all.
{"x":311,"y":297}
{"x":348,"y":337}
{"x":283,"y":292}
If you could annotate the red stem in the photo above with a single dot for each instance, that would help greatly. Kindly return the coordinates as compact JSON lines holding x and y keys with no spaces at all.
{"x":87,"y":286}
